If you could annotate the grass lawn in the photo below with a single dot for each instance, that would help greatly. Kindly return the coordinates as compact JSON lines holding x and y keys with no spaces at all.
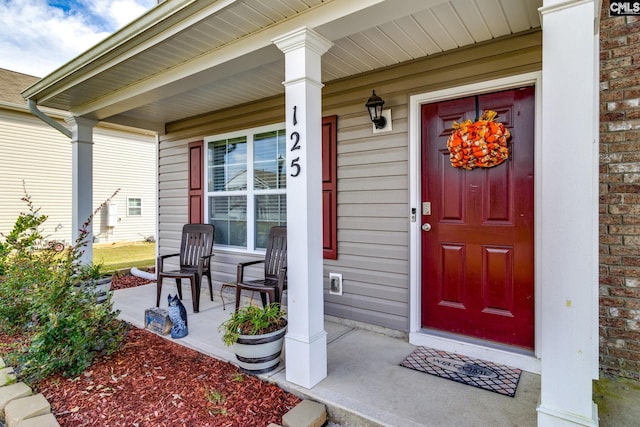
{"x":125,"y":255}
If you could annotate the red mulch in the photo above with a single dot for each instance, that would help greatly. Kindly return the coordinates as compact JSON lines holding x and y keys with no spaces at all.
{"x":127,"y":281}
{"x":152,"y":381}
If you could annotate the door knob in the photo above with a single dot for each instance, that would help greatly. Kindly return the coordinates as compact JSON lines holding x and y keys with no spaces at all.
{"x":426,"y":227}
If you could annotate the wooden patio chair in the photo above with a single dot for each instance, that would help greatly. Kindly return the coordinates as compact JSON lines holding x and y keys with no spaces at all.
{"x":274,"y":282}
{"x":195,"y":261}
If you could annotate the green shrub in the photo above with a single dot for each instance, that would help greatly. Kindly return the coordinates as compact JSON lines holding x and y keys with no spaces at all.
{"x":72,"y":330}
{"x":24,"y":236}
{"x":65,"y":327}
{"x":23,"y":268}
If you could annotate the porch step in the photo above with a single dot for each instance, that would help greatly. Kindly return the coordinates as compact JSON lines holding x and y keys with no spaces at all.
{"x":312,"y":413}
{"x":305,"y":414}
{"x":348,"y":413}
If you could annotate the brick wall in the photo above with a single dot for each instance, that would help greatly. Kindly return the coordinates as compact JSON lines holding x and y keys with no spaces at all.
{"x":619,"y":194}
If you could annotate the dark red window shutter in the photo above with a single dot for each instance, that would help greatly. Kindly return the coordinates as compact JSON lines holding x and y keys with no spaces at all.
{"x":196,"y":182}
{"x":329,"y":187}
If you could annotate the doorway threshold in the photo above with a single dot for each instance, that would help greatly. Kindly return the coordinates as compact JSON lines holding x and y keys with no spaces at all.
{"x":476,"y":348}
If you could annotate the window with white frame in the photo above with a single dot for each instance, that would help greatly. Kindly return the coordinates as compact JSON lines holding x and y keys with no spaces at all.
{"x":134,"y":206}
{"x":246,"y":185}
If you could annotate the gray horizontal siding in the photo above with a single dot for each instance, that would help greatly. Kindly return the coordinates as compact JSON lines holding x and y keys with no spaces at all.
{"x":374,"y":250}
{"x":373,"y":183}
{"x":378,"y":237}
{"x":366,"y":195}
{"x":368,"y":210}
{"x":356,"y":309}
{"x":172,"y":191}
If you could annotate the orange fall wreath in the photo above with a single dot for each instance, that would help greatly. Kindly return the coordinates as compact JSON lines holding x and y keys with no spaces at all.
{"x":481,"y":144}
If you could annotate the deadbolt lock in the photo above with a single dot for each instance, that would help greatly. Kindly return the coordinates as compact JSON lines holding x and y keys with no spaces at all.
{"x":426,"y":208}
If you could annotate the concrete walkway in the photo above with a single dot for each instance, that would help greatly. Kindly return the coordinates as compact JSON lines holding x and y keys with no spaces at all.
{"x":365,"y":385}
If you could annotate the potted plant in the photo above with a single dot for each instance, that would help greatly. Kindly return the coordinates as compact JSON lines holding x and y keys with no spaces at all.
{"x":257,"y":335}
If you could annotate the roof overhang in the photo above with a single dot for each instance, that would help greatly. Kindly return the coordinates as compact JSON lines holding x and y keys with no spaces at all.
{"x":185,"y":58}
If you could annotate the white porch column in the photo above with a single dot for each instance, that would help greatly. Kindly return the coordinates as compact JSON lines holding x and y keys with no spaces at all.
{"x":306,"y":339}
{"x":82,"y":181}
{"x":568,"y":241}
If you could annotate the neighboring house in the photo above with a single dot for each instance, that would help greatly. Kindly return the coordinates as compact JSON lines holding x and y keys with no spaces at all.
{"x":500,"y":263}
{"x":40,"y":157}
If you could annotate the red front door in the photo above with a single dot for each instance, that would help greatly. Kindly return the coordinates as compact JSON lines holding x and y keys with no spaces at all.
{"x":478,"y":256}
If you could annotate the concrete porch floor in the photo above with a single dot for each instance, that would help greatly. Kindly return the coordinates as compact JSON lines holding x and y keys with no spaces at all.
{"x":365,"y":385}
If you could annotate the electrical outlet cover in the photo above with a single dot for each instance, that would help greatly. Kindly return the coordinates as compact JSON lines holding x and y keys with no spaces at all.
{"x":335,"y":284}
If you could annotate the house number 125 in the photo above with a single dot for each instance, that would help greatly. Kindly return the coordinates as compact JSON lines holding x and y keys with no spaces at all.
{"x":295,"y":137}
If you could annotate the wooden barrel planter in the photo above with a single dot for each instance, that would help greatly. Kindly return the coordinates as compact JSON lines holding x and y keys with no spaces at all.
{"x":259,"y":354}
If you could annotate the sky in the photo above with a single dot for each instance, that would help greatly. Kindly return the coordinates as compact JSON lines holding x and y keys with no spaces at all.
{"x":39,"y":36}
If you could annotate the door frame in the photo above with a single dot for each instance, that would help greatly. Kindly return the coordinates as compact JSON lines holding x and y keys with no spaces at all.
{"x":469,"y":346}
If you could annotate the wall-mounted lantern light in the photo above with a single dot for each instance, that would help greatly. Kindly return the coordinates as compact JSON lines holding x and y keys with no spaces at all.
{"x":374,"y":105}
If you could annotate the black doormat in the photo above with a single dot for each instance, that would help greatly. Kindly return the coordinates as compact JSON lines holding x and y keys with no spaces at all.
{"x":475,"y":372}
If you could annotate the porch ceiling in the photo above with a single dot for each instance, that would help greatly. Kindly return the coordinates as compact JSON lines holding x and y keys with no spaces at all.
{"x":186,"y":57}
